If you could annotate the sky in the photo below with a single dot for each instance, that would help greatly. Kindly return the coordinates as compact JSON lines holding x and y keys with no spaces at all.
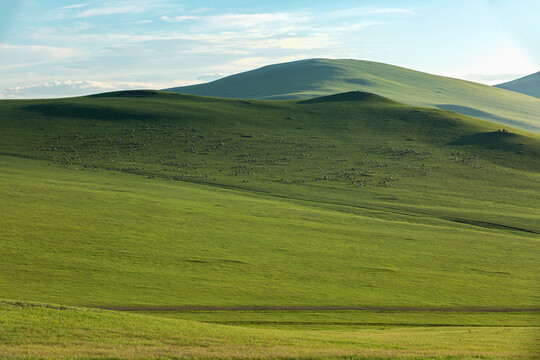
{"x":56,"y":48}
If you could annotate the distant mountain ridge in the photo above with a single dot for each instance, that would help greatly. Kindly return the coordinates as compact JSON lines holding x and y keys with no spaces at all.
{"x":320,"y":77}
{"x":529,"y":85}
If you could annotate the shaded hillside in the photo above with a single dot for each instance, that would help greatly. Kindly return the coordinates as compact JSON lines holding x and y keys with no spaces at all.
{"x":529,"y":85}
{"x":318,"y":77}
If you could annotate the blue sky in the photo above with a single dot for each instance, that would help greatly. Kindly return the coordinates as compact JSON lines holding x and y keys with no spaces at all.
{"x":68,"y":47}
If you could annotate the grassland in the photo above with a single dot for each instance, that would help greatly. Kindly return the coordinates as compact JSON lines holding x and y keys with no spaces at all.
{"x":46,"y":331}
{"x":116,"y":240}
{"x":319,"y":77}
{"x":151,"y":200}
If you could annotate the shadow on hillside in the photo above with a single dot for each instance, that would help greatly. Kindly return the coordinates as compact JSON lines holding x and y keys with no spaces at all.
{"x":358,"y":82}
{"x":82,"y":111}
{"x":465,"y":110}
{"x":128,"y":93}
{"x":468,"y":111}
{"x":492,"y":140}
{"x":365,"y":97}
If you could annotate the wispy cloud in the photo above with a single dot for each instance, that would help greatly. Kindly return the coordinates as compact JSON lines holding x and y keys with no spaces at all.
{"x":365,"y":11}
{"x":388,"y":11}
{"x":180,"y":18}
{"x":74,"y":6}
{"x":354,"y":26}
{"x":146,"y":21}
{"x":277,"y":21}
{"x":244,"y":21}
{"x":16,"y":56}
{"x":112,"y":10}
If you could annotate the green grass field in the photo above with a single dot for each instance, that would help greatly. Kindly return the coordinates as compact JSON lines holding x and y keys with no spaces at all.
{"x":151,"y":202}
{"x":319,"y":77}
{"x":64,"y":332}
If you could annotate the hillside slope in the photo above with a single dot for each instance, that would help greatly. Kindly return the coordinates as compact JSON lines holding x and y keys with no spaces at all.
{"x":346,"y":226}
{"x":158,"y":199}
{"x":529,"y":85}
{"x":317,"y":77}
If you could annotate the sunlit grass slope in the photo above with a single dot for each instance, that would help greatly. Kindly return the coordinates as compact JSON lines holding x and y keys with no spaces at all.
{"x":318,"y":77}
{"x":83,"y":238}
{"x":156,"y":199}
{"x":46,"y":331}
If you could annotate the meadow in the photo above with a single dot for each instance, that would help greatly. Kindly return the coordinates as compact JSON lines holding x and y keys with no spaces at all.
{"x":350,"y":226}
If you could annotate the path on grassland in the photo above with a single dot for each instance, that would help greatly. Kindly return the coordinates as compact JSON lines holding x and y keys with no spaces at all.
{"x":315,"y":308}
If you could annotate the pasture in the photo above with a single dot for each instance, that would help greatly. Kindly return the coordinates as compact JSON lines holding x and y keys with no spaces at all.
{"x":294,"y":214}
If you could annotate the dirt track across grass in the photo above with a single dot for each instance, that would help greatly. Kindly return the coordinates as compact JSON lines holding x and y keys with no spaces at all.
{"x":314,"y":308}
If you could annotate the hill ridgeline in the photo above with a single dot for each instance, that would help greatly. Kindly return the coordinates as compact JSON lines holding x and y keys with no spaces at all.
{"x":319,"y":77}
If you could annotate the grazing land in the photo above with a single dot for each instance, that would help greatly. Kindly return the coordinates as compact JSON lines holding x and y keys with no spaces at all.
{"x":349,"y":226}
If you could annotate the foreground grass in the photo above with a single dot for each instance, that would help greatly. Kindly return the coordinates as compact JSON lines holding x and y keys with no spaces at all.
{"x":354,"y":319}
{"x":36,"y":331}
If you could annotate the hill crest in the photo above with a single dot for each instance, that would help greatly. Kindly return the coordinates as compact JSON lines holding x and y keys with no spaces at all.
{"x":306,"y":79}
{"x":358,"y":96}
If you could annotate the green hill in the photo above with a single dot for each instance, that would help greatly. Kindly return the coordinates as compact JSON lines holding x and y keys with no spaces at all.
{"x":336,"y":214}
{"x":318,"y":77}
{"x":529,"y":85}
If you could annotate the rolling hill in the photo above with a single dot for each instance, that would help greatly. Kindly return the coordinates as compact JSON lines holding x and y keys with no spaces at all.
{"x":338,"y":226}
{"x":529,"y":85}
{"x":318,"y":77}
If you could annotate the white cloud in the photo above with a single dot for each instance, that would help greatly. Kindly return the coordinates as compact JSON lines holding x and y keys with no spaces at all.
{"x":17,"y":56}
{"x":364,"y":11}
{"x":74,"y":6}
{"x":179,"y":18}
{"x":358,"y":25}
{"x":112,"y":10}
{"x":243,"y":21}
{"x":141,"y":22}
{"x":277,"y":22}
{"x":390,"y":11}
